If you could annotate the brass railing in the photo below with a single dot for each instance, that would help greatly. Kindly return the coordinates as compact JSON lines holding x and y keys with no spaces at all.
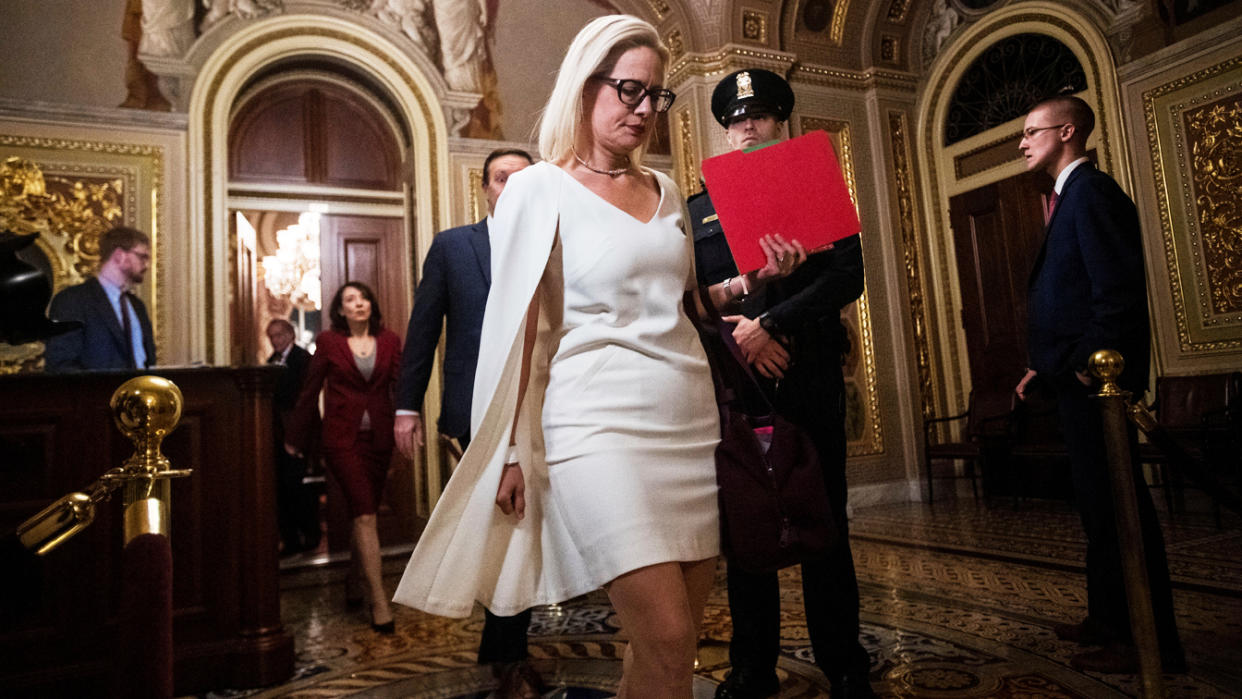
{"x":1107,"y":365}
{"x":146,"y":409}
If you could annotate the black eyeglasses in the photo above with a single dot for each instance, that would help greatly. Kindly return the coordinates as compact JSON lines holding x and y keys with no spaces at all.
{"x":1031,"y":131}
{"x":632,"y":93}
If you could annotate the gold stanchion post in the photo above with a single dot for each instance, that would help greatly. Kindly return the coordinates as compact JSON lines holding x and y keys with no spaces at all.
{"x":146,"y":409}
{"x":1107,"y":365}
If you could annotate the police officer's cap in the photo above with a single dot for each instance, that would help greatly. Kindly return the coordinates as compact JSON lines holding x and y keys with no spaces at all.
{"x":751,"y":92}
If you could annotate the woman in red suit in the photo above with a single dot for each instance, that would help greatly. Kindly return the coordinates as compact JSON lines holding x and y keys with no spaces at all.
{"x":356,"y":364}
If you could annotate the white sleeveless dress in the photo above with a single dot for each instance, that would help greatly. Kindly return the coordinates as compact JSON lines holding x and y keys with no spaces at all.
{"x":618,"y":427}
{"x":629,"y":419}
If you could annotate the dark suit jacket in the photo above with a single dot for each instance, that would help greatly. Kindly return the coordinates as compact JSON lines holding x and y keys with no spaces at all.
{"x":288,"y":386}
{"x":100,"y":343}
{"x":1088,"y":290}
{"x":456,"y":277}
{"x":806,"y":307}
{"x":346,"y":394}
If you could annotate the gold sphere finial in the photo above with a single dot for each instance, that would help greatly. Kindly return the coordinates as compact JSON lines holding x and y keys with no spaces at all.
{"x":146,"y":409}
{"x":1106,"y":365}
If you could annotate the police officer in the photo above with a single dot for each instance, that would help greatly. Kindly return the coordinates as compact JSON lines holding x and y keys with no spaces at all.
{"x":791,"y":332}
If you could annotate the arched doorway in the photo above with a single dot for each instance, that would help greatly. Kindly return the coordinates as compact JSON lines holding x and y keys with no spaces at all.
{"x":968,"y":144}
{"x":401,"y":82}
{"x":984,"y":211}
{"x":317,"y":196}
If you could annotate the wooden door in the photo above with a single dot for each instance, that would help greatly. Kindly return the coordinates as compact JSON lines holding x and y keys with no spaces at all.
{"x":369,"y":249}
{"x":997,"y":232}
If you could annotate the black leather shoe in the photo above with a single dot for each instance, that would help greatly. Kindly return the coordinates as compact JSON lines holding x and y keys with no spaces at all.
{"x":853,"y":687}
{"x":741,"y":684}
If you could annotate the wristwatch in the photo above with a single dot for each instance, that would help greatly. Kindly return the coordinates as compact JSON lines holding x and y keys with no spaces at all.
{"x":767,"y":322}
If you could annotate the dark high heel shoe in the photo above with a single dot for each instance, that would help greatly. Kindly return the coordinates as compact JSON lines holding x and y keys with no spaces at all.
{"x":388,"y":627}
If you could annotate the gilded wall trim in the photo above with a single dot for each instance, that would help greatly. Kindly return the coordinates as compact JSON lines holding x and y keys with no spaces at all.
{"x":919,"y":321}
{"x":108,"y":183}
{"x":474,"y":179}
{"x":836,"y":32}
{"x":725,"y":60}
{"x":689,"y":160}
{"x":1192,"y":130}
{"x":854,"y":79}
{"x":864,"y":428}
{"x":897,"y":10}
{"x":755,"y":26}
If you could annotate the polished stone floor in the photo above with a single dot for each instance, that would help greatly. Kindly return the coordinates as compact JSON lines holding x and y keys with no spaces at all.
{"x":957,"y":601}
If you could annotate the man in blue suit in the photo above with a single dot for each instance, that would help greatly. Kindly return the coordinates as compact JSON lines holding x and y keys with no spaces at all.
{"x":1088,"y":292}
{"x":116,"y":331}
{"x":456,"y":276}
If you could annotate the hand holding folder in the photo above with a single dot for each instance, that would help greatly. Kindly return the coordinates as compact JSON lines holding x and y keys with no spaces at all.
{"x":795,"y":189}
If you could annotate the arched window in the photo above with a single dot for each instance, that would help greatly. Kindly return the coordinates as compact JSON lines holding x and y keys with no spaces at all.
{"x":1007,"y":80}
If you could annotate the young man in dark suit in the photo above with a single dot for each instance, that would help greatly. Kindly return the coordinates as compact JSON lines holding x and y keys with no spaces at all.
{"x":296,"y":510}
{"x":1087,"y":292}
{"x":116,"y":331}
{"x":456,"y":277}
{"x":790,"y":331}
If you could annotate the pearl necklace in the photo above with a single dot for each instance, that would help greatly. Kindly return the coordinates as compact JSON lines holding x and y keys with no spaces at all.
{"x":610,"y":173}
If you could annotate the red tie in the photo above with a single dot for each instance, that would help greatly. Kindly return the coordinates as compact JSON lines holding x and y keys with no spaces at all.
{"x":1052,"y":206}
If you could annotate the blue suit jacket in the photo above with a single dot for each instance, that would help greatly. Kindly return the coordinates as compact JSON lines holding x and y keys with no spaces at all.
{"x":99,"y":344}
{"x":456,"y":277}
{"x":1088,"y":290}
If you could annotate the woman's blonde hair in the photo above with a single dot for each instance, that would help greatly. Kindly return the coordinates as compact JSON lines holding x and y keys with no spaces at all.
{"x":595,"y":51}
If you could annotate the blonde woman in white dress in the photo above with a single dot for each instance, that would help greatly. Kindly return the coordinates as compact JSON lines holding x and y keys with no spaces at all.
{"x":594,"y":415}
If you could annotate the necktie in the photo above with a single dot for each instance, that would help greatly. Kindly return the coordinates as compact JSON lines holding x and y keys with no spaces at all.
{"x":127,"y":329}
{"x":1052,"y":206}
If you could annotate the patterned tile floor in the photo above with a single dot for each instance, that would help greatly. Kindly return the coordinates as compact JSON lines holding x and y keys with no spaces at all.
{"x":956,"y":602}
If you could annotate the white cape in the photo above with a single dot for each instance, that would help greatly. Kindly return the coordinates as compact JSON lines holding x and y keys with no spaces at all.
{"x":470,"y":550}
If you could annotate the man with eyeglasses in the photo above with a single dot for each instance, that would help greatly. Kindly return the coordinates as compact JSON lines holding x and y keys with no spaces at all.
{"x":791,"y":333}
{"x":1088,"y":292}
{"x":116,"y":331}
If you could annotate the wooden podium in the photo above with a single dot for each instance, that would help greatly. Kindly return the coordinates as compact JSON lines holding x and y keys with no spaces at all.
{"x":58,"y":613}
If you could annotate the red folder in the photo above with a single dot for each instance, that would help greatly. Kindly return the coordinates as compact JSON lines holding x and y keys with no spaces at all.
{"x":794,"y":188}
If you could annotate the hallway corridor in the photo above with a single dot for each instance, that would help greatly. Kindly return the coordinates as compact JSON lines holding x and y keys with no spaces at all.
{"x":956,"y":602}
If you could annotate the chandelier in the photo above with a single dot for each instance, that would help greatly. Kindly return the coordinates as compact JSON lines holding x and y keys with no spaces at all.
{"x":293,"y":272}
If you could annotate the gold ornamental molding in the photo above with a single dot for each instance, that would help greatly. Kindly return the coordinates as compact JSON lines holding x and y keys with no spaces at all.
{"x":1192,"y":129}
{"x":731,"y":57}
{"x":755,"y":26}
{"x":836,"y":32}
{"x":854,"y":79}
{"x":897,"y":10}
{"x":676,"y":45}
{"x":689,"y":160}
{"x":864,"y":428}
{"x":71,"y":191}
{"x":474,"y":180}
{"x":903,"y":173}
